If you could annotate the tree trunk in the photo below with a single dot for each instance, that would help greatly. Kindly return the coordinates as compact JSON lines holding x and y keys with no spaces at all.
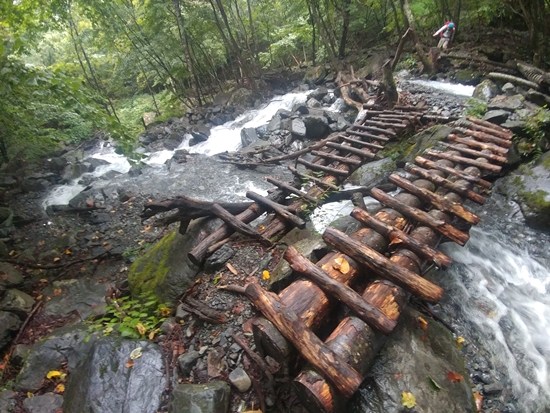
{"x":417,"y":44}
{"x":345,"y":27}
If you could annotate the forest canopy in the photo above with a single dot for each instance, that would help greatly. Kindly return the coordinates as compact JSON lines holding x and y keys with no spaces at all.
{"x":69,"y":69}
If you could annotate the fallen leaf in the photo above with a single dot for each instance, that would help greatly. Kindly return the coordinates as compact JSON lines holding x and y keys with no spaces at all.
{"x":41,"y":243}
{"x":136,"y":353}
{"x":460,"y":341}
{"x":53,"y":373}
{"x":29,"y":394}
{"x":147,"y":228}
{"x":479,"y":401}
{"x":57,"y":291}
{"x":217,"y":279}
{"x":423,"y":324}
{"x":60,"y":388}
{"x":454,"y":377}
{"x":12,"y":253}
{"x":434,"y":384}
{"x":68,"y":252}
{"x":120,"y":231}
{"x":165,"y":311}
{"x":232,"y":269}
{"x":151,"y":335}
{"x":90,"y":204}
{"x":141,"y":329}
{"x":129,"y":364}
{"x":261,"y":228}
{"x":408,"y":399}
{"x":56,"y":259}
{"x":266,"y":275}
{"x":341,"y":264}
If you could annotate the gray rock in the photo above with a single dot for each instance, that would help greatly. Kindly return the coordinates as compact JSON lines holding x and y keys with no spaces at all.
{"x":19,"y":354}
{"x":509,"y":89}
{"x":147,"y":138}
{"x":34,"y":185}
{"x":219,"y":258}
{"x":85,"y":296}
{"x":73,"y":171}
{"x":486,"y":90}
{"x":187,"y":361}
{"x":135,"y":171}
{"x":283,"y":113}
{"x":494,"y":388}
{"x":9,"y":325}
{"x":148,"y":117}
{"x":510,"y":103}
{"x":242,"y":97}
{"x":328,"y":99}
{"x":300,"y":109}
{"x":103,"y":383}
{"x":342,"y":123}
{"x":515,"y":126}
{"x":109,"y":175}
{"x":95,"y":162}
{"x":313,"y":103}
{"x":197,"y":137}
{"x":420,"y":357}
{"x":467,"y":77}
{"x":70,"y":343}
{"x":539,"y":99}
{"x":7,"y":180}
{"x":319,"y":93}
{"x":56,"y":164}
{"x":240,"y":380}
{"x":46,"y":403}
{"x":211,"y":397}
{"x":316,"y":126}
{"x":496,"y":116}
{"x":9,"y":276}
{"x":81,"y":200}
{"x":315,"y":75}
{"x":298,"y":128}
{"x":18,"y":302}
{"x":7,"y":401}
{"x":248,"y":136}
{"x":171,"y":144}
{"x":274,"y":124}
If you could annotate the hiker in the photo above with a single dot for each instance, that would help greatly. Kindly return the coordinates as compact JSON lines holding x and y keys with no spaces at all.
{"x":446,"y":33}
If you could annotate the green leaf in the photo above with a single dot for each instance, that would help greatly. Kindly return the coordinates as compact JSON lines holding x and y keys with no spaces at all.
{"x":433,"y":384}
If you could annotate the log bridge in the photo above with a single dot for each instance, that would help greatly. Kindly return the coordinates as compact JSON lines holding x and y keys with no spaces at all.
{"x":389,"y":255}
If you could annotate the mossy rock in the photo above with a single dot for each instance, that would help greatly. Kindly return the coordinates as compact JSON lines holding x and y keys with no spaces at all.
{"x":419,"y":143}
{"x":315,"y":74}
{"x":165,"y":269}
{"x":468,"y":77}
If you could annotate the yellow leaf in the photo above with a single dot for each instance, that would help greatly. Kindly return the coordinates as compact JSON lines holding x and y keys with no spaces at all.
{"x":29,"y":394}
{"x":67,"y":252}
{"x":56,"y":259}
{"x":266,"y":275}
{"x":12,"y":253}
{"x":53,"y":373}
{"x":232,"y":269}
{"x":165,"y":311}
{"x":460,"y":341}
{"x":60,"y":388}
{"x":120,"y":231}
{"x":151,"y":335}
{"x":341,"y":264}
{"x":408,"y":399}
{"x":136,"y":353}
{"x":423,"y":324}
{"x":141,"y":329}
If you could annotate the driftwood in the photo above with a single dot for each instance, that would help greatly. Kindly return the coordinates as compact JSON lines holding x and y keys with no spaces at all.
{"x":540,"y":77}
{"x":294,"y":155}
{"x":388,"y":83}
{"x":239,"y":226}
{"x":514,"y":79}
{"x":291,"y":189}
{"x":203,"y":311}
{"x":375,"y":130}
{"x":479,"y":60}
{"x":321,"y":168}
{"x":283,"y":211}
{"x":326,"y":361}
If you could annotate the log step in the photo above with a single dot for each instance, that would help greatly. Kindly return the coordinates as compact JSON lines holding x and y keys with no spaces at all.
{"x":490,"y":125}
{"x":477,"y":154}
{"x":361,"y":143}
{"x":351,"y":149}
{"x":467,"y":161}
{"x":373,"y":129}
{"x":336,"y":158}
{"x":289,"y":188}
{"x":384,"y":124}
{"x":484,"y":137}
{"x":438,"y":225}
{"x":476,"y":144}
{"x":317,"y":181}
{"x":452,"y":171}
{"x":321,"y":168}
{"x":278,"y":208}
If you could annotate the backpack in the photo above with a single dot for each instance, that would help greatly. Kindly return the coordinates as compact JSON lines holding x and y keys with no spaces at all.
{"x":446,"y":24}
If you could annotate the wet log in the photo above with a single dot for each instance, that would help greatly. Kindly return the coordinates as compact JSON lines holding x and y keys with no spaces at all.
{"x":490,"y":131}
{"x":436,"y":200}
{"x":485,"y":137}
{"x":409,"y":108}
{"x":477,"y":154}
{"x":452,"y":171}
{"x":382,"y":266}
{"x":490,"y":125}
{"x":190,"y":207}
{"x":317,"y":181}
{"x":476,"y":144}
{"x":336,"y":158}
{"x":366,"y":312}
{"x":360,"y":143}
{"x":321,"y":168}
{"x":291,"y":189}
{"x":347,"y":194}
{"x":203,"y":311}
{"x":445,"y":183}
{"x":293,"y":155}
{"x":478,"y":60}
{"x":358,"y":200}
{"x":397,"y":236}
{"x":351,"y":149}
{"x":326,"y":361}
{"x":375,"y":130}
{"x":368,"y":135}
{"x":384,"y":124}
{"x":439,"y":225}
{"x":278,"y":208}
{"x":467,"y":161}
{"x":239,"y":226}
{"x":345,"y":94}
{"x":514,"y":79}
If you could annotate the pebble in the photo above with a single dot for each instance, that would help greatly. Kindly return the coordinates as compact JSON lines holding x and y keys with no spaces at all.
{"x":494,"y":388}
{"x":240,"y":379}
{"x":202,"y":350}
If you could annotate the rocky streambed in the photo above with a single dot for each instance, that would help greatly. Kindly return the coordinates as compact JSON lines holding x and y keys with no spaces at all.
{"x":69,"y":263}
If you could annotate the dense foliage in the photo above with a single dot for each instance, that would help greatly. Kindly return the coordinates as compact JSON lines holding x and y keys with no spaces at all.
{"x":71,"y":67}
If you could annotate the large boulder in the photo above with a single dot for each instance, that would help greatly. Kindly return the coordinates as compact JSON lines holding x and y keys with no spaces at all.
{"x":467,"y":77}
{"x":9,"y":276}
{"x":242,"y":97}
{"x":9,"y":325}
{"x":510,"y":103}
{"x":45,"y":403}
{"x":315,"y":74}
{"x":530,"y":187}
{"x":417,"y":360}
{"x":108,"y":380}
{"x":17,"y":302}
{"x":422,"y":141}
{"x":166,"y":269}
{"x":248,"y":136}
{"x":316,"y":126}
{"x":372,"y":173}
{"x":486,"y":90}
{"x":210,"y":397}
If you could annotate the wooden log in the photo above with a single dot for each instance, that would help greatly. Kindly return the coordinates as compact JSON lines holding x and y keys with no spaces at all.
{"x":384,"y":124}
{"x":476,"y":144}
{"x":477,"y":154}
{"x":382,"y":266}
{"x":436,"y":200}
{"x":278,"y":208}
{"x":368,"y":135}
{"x":490,"y":131}
{"x":291,"y":189}
{"x":391,"y":120}
{"x":485,"y":137}
{"x":369,"y":314}
{"x":351,"y":149}
{"x":294,"y":155}
{"x":239,"y":226}
{"x":336,"y":158}
{"x":327,"y":362}
{"x":190,"y":207}
{"x":409,"y":108}
{"x":445,"y":183}
{"x":452,"y":171}
{"x":327,"y":169}
{"x":395,"y":235}
{"x":478,"y":60}
{"x":514,"y":79}
{"x":357,"y":199}
{"x":439,"y":225}
{"x":375,"y":130}
{"x":360,"y":143}
{"x":490,"y":125}
{"x":467,"y":161}
{"x":317,"y":181}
